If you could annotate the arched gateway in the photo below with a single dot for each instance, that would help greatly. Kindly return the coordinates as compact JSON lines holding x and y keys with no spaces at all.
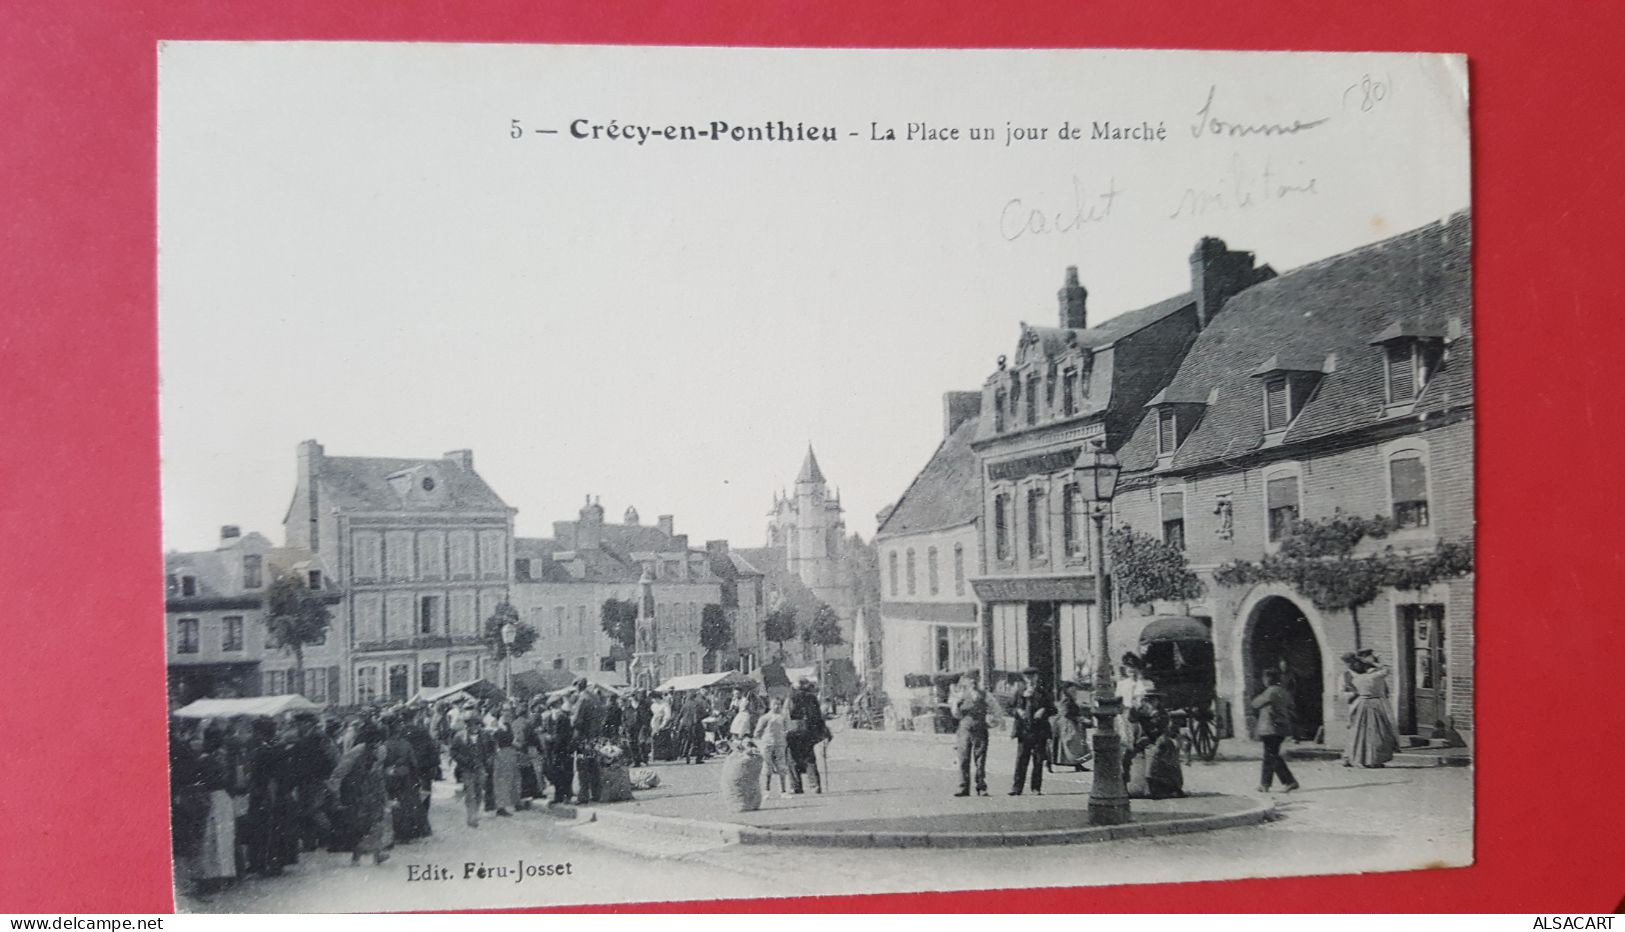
{"x":1279,"y":630}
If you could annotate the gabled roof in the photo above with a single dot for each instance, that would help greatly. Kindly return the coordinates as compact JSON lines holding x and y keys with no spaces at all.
{"x":361,"y":483}
{"x":1328,"y":308}
{"x":611,"y":561}
{"x":945,"y":494}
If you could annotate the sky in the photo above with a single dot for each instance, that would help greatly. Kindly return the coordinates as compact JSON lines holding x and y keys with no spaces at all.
{"x":355,"y":248}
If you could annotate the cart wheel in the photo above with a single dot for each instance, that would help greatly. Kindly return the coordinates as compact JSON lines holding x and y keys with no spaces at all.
{"x":1207,"y":745}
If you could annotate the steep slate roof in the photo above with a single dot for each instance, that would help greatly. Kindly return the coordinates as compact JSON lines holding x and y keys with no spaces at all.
{"x":218,"y":572}
{"x":1056,"y":339}
{"x":361,"y":483}
{"x":1337,"y":306}
{"x":945,"y":494}
{"x":610,"y":561}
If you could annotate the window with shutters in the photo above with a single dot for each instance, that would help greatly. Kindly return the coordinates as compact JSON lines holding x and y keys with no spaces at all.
{"x":276,"y":682}
{"x":1277,"y":404}
{"x":1072,"y":517}
{"x":186,"y":636}
{"x":909,"y":570}
{"x":1282,"y":505}
{"x":932,"y":581}
{"x":316,"y":686}
{"x":558,"y":621}
{"x":1069,"y":392}
{"x":1167,"y":433}
{"x":1409,"y":364}
{"x":1173,"y":519}
{"x":1001,"y":527}
{"x":460,"y":548}
{"x":1037,"y":524}
{"x":429,"y":675}
{"x":368,"y":557}
{"x":959,"y":569}
{"x":399,"y":556}
{"x":429,"y":615}
{"x":231,"y":634}
{"x":253,"y":571}
{"x":1408,"y":486}
{"x":891,"y":571}
{"x":432,"y":555}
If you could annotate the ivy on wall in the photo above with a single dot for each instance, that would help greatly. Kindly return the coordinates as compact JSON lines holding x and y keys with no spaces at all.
{"x":1146,"y":570}
{"x":1317,"y":559}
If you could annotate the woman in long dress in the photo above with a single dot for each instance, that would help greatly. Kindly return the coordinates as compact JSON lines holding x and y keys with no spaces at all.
{"x":1372,"y":738}
{"x":215,"y":863}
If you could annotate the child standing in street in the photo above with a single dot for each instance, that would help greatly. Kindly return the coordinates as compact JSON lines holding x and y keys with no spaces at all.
{"x":770,"y":736}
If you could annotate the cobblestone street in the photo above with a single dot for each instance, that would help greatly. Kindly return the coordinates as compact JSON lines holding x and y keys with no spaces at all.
{"x":1343,"y":820}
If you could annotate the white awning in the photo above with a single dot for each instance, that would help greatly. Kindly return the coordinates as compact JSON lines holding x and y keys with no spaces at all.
{"x":259,"y":705}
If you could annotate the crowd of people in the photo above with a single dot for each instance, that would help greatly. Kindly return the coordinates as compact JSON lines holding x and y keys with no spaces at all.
{"x":250,"y":795}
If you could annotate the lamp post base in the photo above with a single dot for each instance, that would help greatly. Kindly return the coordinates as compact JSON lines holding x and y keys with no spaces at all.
{"x":1108,"y":796}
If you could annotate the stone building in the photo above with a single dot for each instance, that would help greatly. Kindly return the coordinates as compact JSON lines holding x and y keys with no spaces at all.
{"x":217,"y":645}
{"x":561,"y":584}
{"x":1344,"y":386}
{"x":929,"y":548}
{"x":1067,"y":387}
{"x":422,"y":552}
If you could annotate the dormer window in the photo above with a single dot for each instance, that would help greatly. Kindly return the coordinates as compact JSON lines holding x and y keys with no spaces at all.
{"x":188,"y":585}
{"x":1412,"y":353}
{"x":253,"y":575}
{"x":1069,"y":392}
{"x":1032,"y":399}
{"x":315,"y":578}
{"x":1277,"y":404}
{"x":998,"y":411}
{"x":1167,"y":432}
{"x":1289,"y":380}
{"x":1177,"y":412}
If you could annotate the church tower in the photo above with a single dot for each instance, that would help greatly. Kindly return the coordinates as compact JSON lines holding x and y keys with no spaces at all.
{"x":807,"y":524}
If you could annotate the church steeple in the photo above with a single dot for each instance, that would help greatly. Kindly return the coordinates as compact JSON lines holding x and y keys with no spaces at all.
{"x":810,"y":473}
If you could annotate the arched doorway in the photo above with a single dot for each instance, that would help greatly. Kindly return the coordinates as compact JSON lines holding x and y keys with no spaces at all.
{"x":1279,"y":636}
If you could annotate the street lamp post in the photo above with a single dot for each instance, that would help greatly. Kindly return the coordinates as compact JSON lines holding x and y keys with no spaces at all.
{"x":1096,"y":473}
{"x":509,"y":632}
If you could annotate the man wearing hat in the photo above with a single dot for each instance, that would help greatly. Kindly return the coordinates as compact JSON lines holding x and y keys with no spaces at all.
{"x":807,"y":728}
{"x":587,"y":720}
{"x":1031,"y":708}
{"x":472,"y":750}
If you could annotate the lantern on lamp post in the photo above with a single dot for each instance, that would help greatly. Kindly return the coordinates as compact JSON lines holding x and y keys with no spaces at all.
{"x":509,"y":632}
{"x":1096,"y":472}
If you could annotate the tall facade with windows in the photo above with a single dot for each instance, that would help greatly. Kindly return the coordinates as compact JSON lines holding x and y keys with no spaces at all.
{"x":422,"y":551}
{"x":929,"y":546}
{"x":1343,"y":387}
{"x":1065,"y":388}
{"x":217,"y":642}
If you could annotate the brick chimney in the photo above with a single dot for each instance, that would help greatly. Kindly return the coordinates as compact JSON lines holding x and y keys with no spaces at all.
{"x":229,"y":533}
{"x":957,"y":408}
{"x":463,"y":458}
{"x":590,"y":527}
{"x":1218,"y":274}
{"x":303,"y":528}
{"x":1073,"y":299}
{"x":667,"y":525}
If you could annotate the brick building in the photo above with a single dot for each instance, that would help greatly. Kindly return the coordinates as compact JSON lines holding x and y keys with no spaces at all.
{"x":1342,"y":386}
{"x":561,"y":584}
{"x":217,"y":645}
{"x":421,"y":550}
{"x":1067,"y":387}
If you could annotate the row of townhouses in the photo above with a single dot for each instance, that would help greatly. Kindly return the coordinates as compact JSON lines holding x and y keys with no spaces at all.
{"x":1252,"y":401}
{"x":412,"y":556}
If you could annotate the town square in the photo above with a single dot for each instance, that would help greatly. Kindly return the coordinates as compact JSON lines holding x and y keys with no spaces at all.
{"x":624,"y":517}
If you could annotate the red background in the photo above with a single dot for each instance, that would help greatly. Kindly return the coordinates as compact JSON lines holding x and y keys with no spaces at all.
{"x":83,"y":811}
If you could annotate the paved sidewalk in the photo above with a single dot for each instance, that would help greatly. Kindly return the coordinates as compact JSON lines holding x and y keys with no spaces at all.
{"x":892,"y":789}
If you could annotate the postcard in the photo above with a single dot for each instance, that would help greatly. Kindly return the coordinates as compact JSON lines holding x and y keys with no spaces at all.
{"x":610,"y":474}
